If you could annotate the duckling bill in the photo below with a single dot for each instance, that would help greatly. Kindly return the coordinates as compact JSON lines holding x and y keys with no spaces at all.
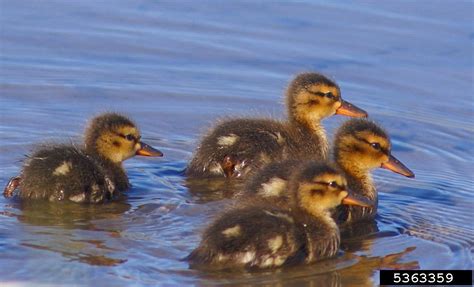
{"x":234,"y":148}
{"x":91,"y":174}
{"x":397,"y":166}
{"x":262,"y":235}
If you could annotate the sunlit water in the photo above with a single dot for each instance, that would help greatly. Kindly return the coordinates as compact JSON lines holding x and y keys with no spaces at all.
{"x":175,"y":68}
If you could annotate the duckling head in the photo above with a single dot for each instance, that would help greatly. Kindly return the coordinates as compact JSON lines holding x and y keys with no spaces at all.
{"x":116,"y":138}
{"x":321,"y":187}
{"x":361,"y":145}
{"x":312,"y":97}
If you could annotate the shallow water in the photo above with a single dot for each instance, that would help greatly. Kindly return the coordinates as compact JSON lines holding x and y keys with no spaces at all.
{"x":175,"y":68}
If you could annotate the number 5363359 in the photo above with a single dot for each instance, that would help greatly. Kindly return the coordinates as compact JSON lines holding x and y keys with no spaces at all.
{"x":430,"y":278}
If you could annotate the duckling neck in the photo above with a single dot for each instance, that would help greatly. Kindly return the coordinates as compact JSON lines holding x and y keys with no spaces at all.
{"x":358,"y":179}
{"x":314,"y":125}
{"x":114,"y":170}
{"x":312,"y":131}
{"x":99,"y":156}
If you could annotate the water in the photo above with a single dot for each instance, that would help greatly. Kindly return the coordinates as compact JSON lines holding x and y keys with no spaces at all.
{"x":176,"y":68}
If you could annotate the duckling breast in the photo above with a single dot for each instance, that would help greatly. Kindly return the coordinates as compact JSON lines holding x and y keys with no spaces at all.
{"x":364,"y":187}
{"x":322,"y":236}
{"x":305,"y":143}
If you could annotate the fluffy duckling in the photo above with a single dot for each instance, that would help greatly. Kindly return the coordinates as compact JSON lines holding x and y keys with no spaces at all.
{"x":359,"y":146}
{"x":261,"y":235}
{"x":91,"y":174}
{"x":235,"y":147}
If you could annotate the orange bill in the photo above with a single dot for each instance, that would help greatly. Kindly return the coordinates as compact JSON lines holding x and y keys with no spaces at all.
{"x":146,"y":150}
{"x":352,"y":199}
{"x":395,"y":165}
{"x":348,"y":109}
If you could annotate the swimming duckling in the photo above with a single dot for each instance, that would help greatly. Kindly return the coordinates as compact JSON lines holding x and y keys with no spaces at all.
{"x":91,"y":174}
{"x":359,"y":146}
{"x":235,"y":147}
{"x":261,"y":235}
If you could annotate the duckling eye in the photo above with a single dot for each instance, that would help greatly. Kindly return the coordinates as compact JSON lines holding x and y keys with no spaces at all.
{"x":332,"y":184}
{"x":376,"y":146}
{"x":129,"y":137}
{"x":329,"y":95}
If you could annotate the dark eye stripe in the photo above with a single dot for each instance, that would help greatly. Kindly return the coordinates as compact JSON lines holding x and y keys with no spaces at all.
{"x":329,"y":95}
{"x":384,"y":150}
{"x":341,"y":187}
{"x":321,"y":94}
{"x":128,"y":137}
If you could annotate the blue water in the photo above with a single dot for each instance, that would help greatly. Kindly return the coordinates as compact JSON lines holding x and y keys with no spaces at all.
{"x":176,"y":67}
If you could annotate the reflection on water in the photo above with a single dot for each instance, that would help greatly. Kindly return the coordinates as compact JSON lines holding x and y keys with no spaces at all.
{"x":63,"y":223}
{"x":208,"y":189}
{"x":348,"y":269}
{"x":177,"y":67}
{"x":67,"y":214}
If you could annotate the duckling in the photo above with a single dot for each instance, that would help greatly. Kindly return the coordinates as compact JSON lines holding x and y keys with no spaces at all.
{"x":91,"y":174}
{"x":235,"y":147}
{"x":262,"y":235}
{"x":360,"y":145}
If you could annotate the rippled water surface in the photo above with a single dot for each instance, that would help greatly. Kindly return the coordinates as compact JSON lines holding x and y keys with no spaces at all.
{"x":177,"y":67}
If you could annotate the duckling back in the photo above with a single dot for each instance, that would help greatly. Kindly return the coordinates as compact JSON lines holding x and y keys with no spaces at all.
{"x":251,"y":144}
{"x":263,"y":236}
{"x":271,"y":182}
{"x":248,"y":143}
{"x":63,"y":172}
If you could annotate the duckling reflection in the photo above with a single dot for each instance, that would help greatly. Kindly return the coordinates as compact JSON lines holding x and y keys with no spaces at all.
{"x":67,"y":215}
{"x":350,"y":269}
{"x":93,"y":174}
{"x":235,"y":147}
{"x":362,"y":273}
{"x":87,"y":233}
{"x":261,"y":235}
{"x":211,"y":189}
{"x":359,"y":146}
